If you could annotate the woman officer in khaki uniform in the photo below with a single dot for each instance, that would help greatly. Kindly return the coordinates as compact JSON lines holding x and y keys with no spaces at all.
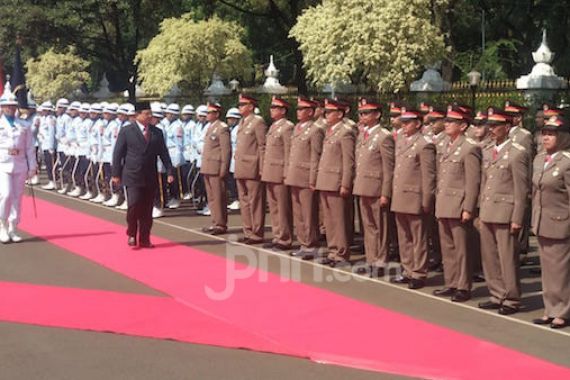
{"x":551,"y":220}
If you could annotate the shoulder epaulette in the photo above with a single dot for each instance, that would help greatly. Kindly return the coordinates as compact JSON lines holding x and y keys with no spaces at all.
{"x":525,"y":131}
{"x":471,"y":141}
{"x":519,"y":147}
{"x":566,"y":154}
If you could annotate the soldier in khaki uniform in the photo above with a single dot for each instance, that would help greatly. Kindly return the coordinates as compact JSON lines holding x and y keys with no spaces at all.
{"x":413,"y":197}
{"x":435,"y":129}
{"x":395,"y":111}
{"x":504,"y":192}
{"x":216,"y":155}
{"x":301,"y":176}
{"x":519,"y":135}
{"x":334,"y":181}
{"x":550,"y":221}
{"x":458,"y":182}
{"x":321,"y":122}
{"x":250,"y":149}
{"x":483,"y":139}
{"x":373,"y":184}
{"x":275,"y":162}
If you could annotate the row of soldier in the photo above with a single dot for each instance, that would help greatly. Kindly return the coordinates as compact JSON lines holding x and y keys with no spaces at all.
{"x":439,"y":176}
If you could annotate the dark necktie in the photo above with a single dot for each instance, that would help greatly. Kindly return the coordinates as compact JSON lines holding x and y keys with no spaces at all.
{"x":146,"y":134}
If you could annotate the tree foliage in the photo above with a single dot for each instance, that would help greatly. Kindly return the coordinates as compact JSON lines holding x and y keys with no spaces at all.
{"x":192,"y":51}
{"x":54,"y":75}
{"x":382,"y":43}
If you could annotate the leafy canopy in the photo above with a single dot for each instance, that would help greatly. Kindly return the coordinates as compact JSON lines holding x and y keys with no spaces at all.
{"x":382,"y":43}
{"x":192,"y":51}
{"x":54,"y":75}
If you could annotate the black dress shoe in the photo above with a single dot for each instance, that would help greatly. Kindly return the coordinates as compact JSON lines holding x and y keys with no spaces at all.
{"x":253,"y":242}
{"x":507,"y":310}
{"x":363,"y":269}
{"x":416,"y":284}
{"x":542,"y":321}
{"x":489,"y":305}
{"x":132,"y":241}
{"x":146,"y":244}
{"x":339,"y":263}
{"x":461,"y":296}
{"x":560,"y":325}
{"x":400,"y":280}
{"x":281,"y":247}
{"x":445,"y":292}
{"x":268,"y":245}
{"x":324,"y":261}
{"x":243,"y":240}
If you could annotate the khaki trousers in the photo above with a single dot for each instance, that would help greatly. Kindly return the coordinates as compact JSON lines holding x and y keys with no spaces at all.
{"x":412,"y":241}
{"x":279,"y":200}
{"x":252,"y":208}
{"x":335,"y":219}
{"x":217,"y":200}
{"x":499,"y":252}
{"x":305,"y":217}
{"x":454,"y":237}
{"x":555,"y":263}
{"x":375,"y":228}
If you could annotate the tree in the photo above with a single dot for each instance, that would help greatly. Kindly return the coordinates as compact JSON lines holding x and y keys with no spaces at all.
{"x":382,"y":43}
{"x":192,"y":51}
{"x":54,"y":75}
{"x":108,"y":33}
{"x":275,"y":18}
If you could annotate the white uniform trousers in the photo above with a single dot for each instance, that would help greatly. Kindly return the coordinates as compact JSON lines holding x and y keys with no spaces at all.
{"x":11,"y":190}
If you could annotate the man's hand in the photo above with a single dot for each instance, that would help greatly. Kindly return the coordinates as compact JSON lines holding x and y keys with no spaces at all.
{"x":515,"y":228}
{"x":170,"y":179}
{"x":312,"y":188}
{"x":426,"y":210}
{"x":466,"y":216}
{"x":116,"y":181}
{"x":384,"y":201}
{"x":344,"y":192}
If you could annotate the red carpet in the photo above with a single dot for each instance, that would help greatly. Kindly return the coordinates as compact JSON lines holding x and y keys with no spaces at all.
{"x":302,"y":320}
{"x":129,"y":314}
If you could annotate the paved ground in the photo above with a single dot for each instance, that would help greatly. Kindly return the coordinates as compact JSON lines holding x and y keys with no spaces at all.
{"x":31,"y":352}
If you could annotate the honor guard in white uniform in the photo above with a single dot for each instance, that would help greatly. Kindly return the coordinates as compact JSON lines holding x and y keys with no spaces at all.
{"x":93,"y":156}
{"x":188,"y":124}
{"x":232,"y":119}
{"x":46,"y":138}
{"x":17,"y":163}
{"x":198,"y":143}
{"x":62,"y":121}
{"x":175,"y":143}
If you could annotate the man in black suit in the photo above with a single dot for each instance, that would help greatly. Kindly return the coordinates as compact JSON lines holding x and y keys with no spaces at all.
{"x":134,"y":159}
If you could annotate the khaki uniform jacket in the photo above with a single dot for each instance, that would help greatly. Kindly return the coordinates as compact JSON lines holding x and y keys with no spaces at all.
{"x":458,"y":178}
{"x":414,"y":175}
{"x":217,"y":151}
{"x":305,"y":153}
{"x":551,"y":196}
{"x":374,"y":164}
{"x":504,"y":184}
{"x":277,"y":146}
{"x":336,"y":166}
{"x":250,"y":148}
